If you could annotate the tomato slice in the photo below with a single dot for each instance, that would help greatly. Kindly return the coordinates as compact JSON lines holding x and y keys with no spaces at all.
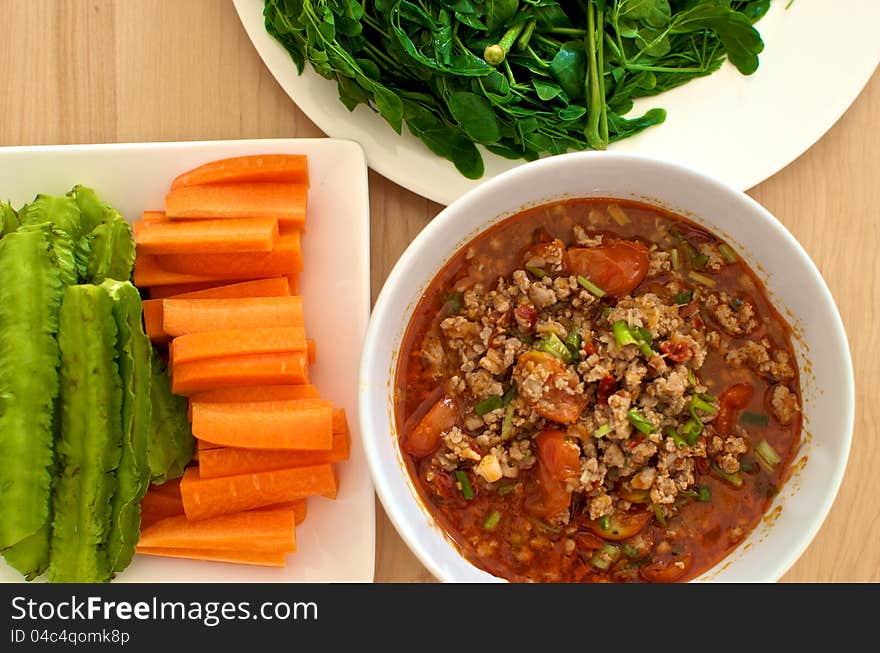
{"x":621,"y":525}
{"x":666,"y":571}
{"x":425,"y":437}
{"x":617,"y":268}
{"x":555,"y":404}
{"x":558,"y":462}
{"x":732,"y":400}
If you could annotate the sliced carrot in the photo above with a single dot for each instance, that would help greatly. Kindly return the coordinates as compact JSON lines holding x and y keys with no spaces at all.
{"x":253,"y":393}
{"x":293,"y":282}
{"x":284,"y":259}
{"x":245,"y":556}
{"x":172,"y":289}
{"x":201,"y":445}
{"x":229,"y":461}
{"x":300,"y":510}
{"x":302,"y":424}
{"x":154,"y":315}
{"x":312,"y":350}
{"x":151,"y":217}
{"x":160,"y":502}
{"x":209,"y":497}
{"x":260,"y":530}
{"x":183,"y":316}
{"x":271,"y":287}
{"x":257,"y":393}
{"x":288,"y":368}
{"x":286,"y":202}
{"x":206,"y":236}
{"x":149,"y":272}
{"x":292,"y":168}
{"x":237,"y":342}
{"x":153,"y":320}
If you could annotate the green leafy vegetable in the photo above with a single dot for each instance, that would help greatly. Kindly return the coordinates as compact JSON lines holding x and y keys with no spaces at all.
{"x":30,"y":299}
{"x":523,"y":78}
{"x":170,"y":445}
{"x":90,"y":439}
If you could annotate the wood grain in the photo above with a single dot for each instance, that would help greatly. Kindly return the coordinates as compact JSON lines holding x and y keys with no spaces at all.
{"x":74,"y":71}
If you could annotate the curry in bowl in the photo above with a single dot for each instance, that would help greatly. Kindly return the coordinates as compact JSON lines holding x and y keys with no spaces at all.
{"x":597,"y":390}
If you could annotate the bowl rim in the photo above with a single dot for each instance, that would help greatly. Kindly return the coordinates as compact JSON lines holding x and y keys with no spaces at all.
{"x":368,"y":363}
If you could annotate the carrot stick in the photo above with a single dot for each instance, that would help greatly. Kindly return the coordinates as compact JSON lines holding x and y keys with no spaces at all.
{"x":183,"y":316}
{"x":292,"y":168}
{"x":293,"y":281}
{"x":253,"y":393}
{"x":154,"y":315}
{"x":170,"y":290}
{"x":229,"y":461}
{"x":257,"y":393}
{"x":159,"y":502}
{"x":202,"y":445}
{"x":152,"y":217}
{"x":209,"y":497}
{"x":246,"y":556}
{"x":303,"y":424}
{"x":272,"y":287}
{"x":286,"y":202}
{"x":284,"y":259}
{"x":153,"y":320}
{"x":206,"y":236}
{"x":149,"y":272}
{"x":312,"y":351}
{"x":259,"y":530}
{"x":287,"y":368}
{"x":237,"y":342}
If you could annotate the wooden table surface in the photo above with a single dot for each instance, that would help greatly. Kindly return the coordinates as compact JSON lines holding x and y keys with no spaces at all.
{"x":97,"y":71}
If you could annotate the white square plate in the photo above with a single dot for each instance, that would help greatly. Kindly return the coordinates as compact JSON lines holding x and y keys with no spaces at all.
{"x":336,"y":543}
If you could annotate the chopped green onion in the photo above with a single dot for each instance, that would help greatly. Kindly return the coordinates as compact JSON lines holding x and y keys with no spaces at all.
{"x":605,"y":522}
{"x":699,"y":261}
{"x":605,"y":557}
{"x":464,"y":484}
{"x":602,"y":431}
{"x":618,"y":215}
{"x":507,"y":422}
{"x":760,"y":419}
{"x":692,"y":379}
{"x":488,"y":404}
{"x":660,"y":514}
{"x":509,"y":395}
{"x":644,"y":339}
{"x":622,"y":334}
{"x":638,"y":420}
{"x":676,"y":263}
{"x":538,"y":272}
{"x":734,"y":479}
{"x":728,"y":253}
{"x":698,"y":403}
{"x":702,"y":278}
{"x":631,"y":551}
{"x":453,"y":302}
{"x":767,"y":456}
{"x":705,"y":494}
{"x":492,"y":520}
{"x":691,"y":431}
{"x":505,"y":489}
{"x":554,"y":346}
{"x":684,"y":297}
{"x":748,"y":466}
{"x":679,"y":441}
{"x":573,"y":342}
{"x":590,"y":286}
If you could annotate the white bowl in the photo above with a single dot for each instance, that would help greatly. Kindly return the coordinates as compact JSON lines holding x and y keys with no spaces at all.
{"x":795,"y":287}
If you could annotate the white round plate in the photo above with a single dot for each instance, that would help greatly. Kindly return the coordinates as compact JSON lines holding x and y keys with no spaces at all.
{"x":740,"y":129}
